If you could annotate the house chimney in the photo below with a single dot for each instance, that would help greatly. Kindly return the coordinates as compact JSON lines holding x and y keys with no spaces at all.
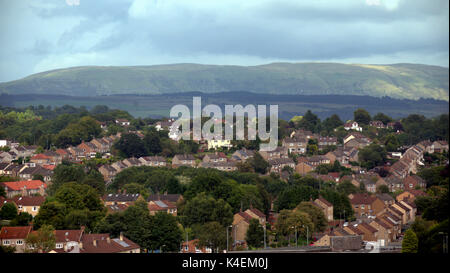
{"x":94,"y":242}
{"x":121,"y":236}
{"x":108,"y":240}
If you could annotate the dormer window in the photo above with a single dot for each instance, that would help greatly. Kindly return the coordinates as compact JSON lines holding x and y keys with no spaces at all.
{"x":59,"y":245}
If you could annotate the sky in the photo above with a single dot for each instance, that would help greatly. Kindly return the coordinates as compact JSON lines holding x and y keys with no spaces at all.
{"x":38,"y":35}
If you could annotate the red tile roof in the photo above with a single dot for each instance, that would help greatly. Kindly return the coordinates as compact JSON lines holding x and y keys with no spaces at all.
{"x":15,"y":232}
{"x":368,"y":227}
{"x":63,"y":236}
{"x":258,"y":212}
{"x":40,"y":156}
{"x":362,"y":198}
{"x":382,"y":223}
{"x":104,"y":244}
{"x":29,"y":184}
{"x":355,"y":230}
{"x":28,"y":200}
{"x":62,"y":151}
{"x":246,"y":216}
{"x":323,"y":200}
{"x":417,"y":192}
{"x":49,"y":167}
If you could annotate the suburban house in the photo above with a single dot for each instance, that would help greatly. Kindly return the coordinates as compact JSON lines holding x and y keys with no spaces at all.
{"x":405,"y":210}
{"x":101,"y":145}
{"x":385,"y":231}
{"x":277,"y":164}
{"x":353,"y":125}
{"x":132,"y":162}
{"x":119,"y":166}
{"x":357,"y":135}
{"x":339,"y":154}
{"x":116,"y":208}
{"x":162,"y":206}
{"x":15,"y":237}
{"x":89,"y":149}
{"x":215,"y":157}
{"x":41,"y":159}
{"x":394,"y":183}
{"x":241,"y":222}
{"x":386,"y":198}
{"x":108,"y":172}
{"x":242,"y":154}
{"x":303,"y":134}
{"x":412,"y":208}
{"x":308,"y":164}
{"x":410,"y":194}
{"x":353,"y":230}
{"x":67,"y":241}
{"x":377,"y":124}
{"x":192,"y":246}
{"x":295,"y":145}
{"x":24,"y":188}
{"x":24,"y":151}
{"x":304,"y":167}
{"x":123,"y":122}
{"x":187,"y":160}
{"x":323,"y":142}
{"x":76,"y":153}
{"x":28,"y":204}
{"x":326,"y":206}
{"x":164,"y":125}
{"x":102,"y":243}
{"x":279,"y":152}
{"x":440,"y":146}
{"x":153,"y":161}
{"x":63,"y":153}
{"x":412,"y":181}
{"x":120,"y":198}
{"x":371,"y":181}
{"x":13,"y":169}
{"x":370,"y":232}
{"x":365,"y":205}
{"x":29,"y":172}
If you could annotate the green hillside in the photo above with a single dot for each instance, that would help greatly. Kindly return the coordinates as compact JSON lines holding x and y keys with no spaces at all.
{"x":411,"y":81}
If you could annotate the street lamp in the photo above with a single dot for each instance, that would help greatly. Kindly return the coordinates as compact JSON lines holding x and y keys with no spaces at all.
{"x":231,"y":226}
{"x":307,"y":235}
{"x":296,"y":240}
{"x":265,"y":245}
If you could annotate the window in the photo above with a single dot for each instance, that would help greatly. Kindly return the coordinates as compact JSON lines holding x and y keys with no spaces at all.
{"x":362,"y":206}
{"x":34,"y":208}
{"x":6,"y":242}
{"x":59,"y":245}
{"x":19,"y":242}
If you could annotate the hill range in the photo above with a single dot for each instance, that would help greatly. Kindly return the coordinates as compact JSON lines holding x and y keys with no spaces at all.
{"x":401,"y":81}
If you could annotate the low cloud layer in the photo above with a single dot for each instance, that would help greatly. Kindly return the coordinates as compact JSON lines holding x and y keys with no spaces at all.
{"x":39,"y":35}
